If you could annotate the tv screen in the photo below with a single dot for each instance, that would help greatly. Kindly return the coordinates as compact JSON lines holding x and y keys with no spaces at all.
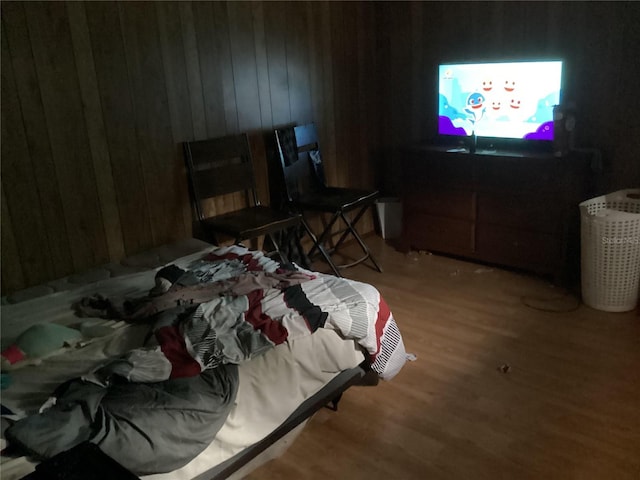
{"x":508,"y":100}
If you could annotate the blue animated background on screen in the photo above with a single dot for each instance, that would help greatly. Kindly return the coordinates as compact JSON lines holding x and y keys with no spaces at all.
{"x":503,"y":100}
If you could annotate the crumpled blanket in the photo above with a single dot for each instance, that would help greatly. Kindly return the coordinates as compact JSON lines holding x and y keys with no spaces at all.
{"x":231,"y":307}
{"x":148,"y":428}
{"x":198,"y":325}
{"x":186,"y":291}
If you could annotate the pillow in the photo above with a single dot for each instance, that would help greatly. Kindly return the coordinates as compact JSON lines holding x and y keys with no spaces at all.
{"x":38,"y":341}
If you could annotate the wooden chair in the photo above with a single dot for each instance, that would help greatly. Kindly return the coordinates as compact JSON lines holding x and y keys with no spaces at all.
{"x":306,"y":191}
{"x":223,"y":165}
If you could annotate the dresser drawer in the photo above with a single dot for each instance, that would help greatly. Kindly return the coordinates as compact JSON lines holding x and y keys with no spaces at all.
{"x":537,"y":213}
{"x":536,"y":251}
{"x":456,"y":204}
{"x":518,"y":175}
{"x":437,"y":170}
{"x":427,"y":232}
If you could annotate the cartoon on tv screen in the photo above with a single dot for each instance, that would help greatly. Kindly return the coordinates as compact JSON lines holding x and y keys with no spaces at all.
{"x":504,"y":100}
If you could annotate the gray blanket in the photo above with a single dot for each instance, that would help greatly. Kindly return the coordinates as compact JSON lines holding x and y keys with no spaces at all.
{"x":146,"y":427}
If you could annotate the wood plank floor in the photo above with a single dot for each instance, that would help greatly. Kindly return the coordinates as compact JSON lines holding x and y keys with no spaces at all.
{"x":568,"y":408}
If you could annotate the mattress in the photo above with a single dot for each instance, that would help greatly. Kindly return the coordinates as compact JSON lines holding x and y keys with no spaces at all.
{"x":271,"y":386}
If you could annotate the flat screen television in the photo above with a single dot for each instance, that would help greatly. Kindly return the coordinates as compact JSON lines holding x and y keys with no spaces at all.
{"x":511,"y":101}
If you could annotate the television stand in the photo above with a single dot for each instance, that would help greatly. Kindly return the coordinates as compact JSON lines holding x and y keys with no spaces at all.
{"x":515,"y":209}
{"x":487,"y":151}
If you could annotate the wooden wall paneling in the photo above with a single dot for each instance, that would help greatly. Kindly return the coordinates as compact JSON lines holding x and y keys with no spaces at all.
{"x":458,"y":24}
{"x":343,"y":99}
{"x":177,"y":85}
{"x":266,"y":140}
{"x":275,"y":30}
{"x":24,"y":216}
{"x":98,"y":144}
{"x":245,"y":75}
{"x":368,"y":81}
{"x":153,"y":120}
{"x":194,"y":79}
{"x":605,"y":45}
{"x":315,"y":64}
{"x":384,"y":180}
{"x":400,"y":76}
{"x":419,"y":76}
{"x":194,"y":75}
{"x":351,"y":162}
{"x":493,"y":34}
{"x":602,"y":46}
{"x":507,"y":29}
{"x":514,"y":39}
{"x":175,"y":70}
{"x":212,"y":86}
{"x":229,"y":96}
{"x":427,"y":94}
{"x":119,"y":120}
{"x":378,"y":90}
{"x":365,"y":79}
{"x":53,"y":54}
{"x":262,"y":63}
{"x":626,"y":172}
{"x":444,"y":34}
{"x":344,"y":163}
{"x":317,"y":75}
{"x":351,"y":165}
{"x":576,"y":83}
{"x":209,"y":69}
{"x":223,"y":43}
{"x":19,"y":53}
{"x":12,"y":277}
{"x":336,"y":163}
{"x":327,"y":120}
{"x":534,"y":28}
{"x":297,"y":48}
{"x":555,"y":27}
{"x":298,"y":64}
{"x":276,"y":24}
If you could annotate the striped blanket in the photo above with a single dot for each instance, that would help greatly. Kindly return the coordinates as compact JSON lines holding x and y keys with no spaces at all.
{"x":237,"y":303}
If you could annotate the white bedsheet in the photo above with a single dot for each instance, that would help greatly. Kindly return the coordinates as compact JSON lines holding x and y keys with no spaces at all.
{"x":271,"y":386}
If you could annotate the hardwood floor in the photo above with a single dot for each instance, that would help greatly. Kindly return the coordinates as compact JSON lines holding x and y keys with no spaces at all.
{"x":567,"y":408}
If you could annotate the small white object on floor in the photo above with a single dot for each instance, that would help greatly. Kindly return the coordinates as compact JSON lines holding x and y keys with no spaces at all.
{"x":483,"y":270}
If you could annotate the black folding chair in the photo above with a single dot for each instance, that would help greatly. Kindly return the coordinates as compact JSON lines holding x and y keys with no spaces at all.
{"x":221,"y":166}
{"x":306,"y":191}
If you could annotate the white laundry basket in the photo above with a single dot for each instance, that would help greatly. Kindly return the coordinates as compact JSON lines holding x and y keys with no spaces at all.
{"x":610,"y":240}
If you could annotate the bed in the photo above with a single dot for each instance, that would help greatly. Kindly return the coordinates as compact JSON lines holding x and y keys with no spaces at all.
{"x":279,"y":343}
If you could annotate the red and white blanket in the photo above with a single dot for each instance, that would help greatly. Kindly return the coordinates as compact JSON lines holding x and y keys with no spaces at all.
{"x":243,"y":303}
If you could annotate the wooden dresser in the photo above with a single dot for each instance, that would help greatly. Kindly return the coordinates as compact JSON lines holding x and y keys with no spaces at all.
{"x":506,"y":208}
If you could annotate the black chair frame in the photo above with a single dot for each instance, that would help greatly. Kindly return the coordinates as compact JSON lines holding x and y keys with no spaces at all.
{"x":306,"y":191}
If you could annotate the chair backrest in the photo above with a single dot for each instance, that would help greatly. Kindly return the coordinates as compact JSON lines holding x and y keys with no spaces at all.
{"x":219,"y":166}
{"x":300,"y":158}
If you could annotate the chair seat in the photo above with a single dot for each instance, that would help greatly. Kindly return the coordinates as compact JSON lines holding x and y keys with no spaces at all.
{"x":251,"y":222}
{"x":332,"y":199}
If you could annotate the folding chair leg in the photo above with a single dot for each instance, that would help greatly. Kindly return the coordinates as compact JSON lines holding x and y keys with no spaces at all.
{"x":325,"y":233}
{"x":278,"y":250}
{"x":365,"y":249}
{"x":320,"y":248}
{"x":350,"y":225}
{"x":349,"y":229}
